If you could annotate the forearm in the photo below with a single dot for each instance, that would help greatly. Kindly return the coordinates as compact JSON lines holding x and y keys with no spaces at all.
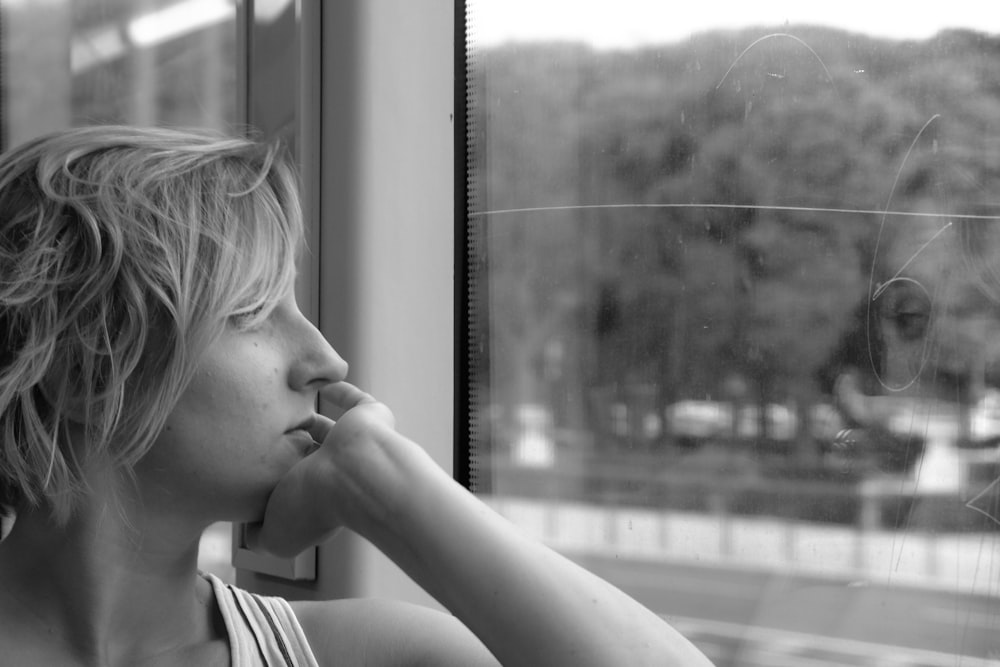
{"x":528,"y":604}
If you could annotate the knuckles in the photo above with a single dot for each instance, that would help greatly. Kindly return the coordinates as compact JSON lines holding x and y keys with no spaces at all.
{"x":367,"y":418}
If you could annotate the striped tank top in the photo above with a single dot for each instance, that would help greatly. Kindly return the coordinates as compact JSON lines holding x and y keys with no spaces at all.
{"x":263,"y":631}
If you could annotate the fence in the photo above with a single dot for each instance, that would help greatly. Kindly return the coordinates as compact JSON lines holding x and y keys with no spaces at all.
{"x":967,"y":562}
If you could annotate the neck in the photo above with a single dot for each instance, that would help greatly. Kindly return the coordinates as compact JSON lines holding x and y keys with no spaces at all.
{"x":106,"y":588}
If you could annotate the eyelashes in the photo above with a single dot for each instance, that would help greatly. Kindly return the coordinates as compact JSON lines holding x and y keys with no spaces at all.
{"x":247,"y":319}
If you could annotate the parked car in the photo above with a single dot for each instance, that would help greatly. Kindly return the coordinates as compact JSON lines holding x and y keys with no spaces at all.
{"x":699,"y":420}
{"x":533,"y":444}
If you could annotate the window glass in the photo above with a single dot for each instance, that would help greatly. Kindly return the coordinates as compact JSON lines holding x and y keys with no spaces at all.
{"x":734,"y":323}
{"x":140,"y":62}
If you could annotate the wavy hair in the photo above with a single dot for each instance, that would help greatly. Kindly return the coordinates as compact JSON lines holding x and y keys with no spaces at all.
{"x":123,"y":253}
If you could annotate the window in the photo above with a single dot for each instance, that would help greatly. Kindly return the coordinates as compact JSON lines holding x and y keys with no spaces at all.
{"x":734,"y":315}
{"x":115,"y":61}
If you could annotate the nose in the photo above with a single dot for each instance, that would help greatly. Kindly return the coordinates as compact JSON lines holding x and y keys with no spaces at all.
{"x":316,"y":364}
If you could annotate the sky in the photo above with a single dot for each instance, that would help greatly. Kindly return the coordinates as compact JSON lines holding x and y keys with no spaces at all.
{"x":615,"y":24}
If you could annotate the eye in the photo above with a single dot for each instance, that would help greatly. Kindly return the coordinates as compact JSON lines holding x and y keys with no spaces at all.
{"x":906,"y":307}
{"x":911,"y":325}
{"x":246,"y":320}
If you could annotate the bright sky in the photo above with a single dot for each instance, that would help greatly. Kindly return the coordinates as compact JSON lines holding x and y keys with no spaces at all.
{"x":626,"y":23}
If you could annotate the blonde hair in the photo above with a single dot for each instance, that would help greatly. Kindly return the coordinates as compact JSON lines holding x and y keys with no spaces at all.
{"x":123,"y":253}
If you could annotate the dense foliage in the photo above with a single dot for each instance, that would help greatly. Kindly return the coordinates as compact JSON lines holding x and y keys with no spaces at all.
{"x":741,"y":215}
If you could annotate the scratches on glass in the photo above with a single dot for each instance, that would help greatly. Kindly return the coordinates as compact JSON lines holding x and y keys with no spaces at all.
{"x":882,"y":287}
{"x":987,"y":502}
{"x":775,"y":35}
{"x":783,"y":244}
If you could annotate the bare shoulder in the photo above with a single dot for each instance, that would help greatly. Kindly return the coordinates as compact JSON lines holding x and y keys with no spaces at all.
{"x":390,"y":633}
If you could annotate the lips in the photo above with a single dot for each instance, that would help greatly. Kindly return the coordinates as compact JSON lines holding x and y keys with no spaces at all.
{"x":302,"y":436}
{"x":305,"y":424}
{"x":303,"y":441}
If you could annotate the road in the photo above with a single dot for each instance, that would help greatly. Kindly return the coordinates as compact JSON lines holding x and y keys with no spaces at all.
{"x":745,"y":618}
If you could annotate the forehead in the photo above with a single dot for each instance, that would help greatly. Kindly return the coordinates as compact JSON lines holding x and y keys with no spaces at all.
{"x":920,"y":248}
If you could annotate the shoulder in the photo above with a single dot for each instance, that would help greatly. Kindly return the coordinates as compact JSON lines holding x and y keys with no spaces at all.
{"x":386,"y":632}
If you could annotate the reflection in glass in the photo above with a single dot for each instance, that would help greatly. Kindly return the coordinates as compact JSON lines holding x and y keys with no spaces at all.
{"x":736,"y":328}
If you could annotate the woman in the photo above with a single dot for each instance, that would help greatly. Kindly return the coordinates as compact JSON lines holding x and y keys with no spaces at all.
{"x":157,"y":376}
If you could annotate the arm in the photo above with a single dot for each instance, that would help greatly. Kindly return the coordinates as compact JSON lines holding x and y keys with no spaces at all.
{"x":526,"y":603}
{"x":388,"y":633}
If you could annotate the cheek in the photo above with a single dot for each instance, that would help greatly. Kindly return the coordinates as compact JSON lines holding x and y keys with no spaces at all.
{"x":231,"y":396}
{"x":218,"y":425}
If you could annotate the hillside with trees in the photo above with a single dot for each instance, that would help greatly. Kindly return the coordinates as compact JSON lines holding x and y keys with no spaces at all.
{"x":740,"y":216}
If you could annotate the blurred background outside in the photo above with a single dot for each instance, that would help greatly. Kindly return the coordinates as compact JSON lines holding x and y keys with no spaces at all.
{"x":735,"y":321}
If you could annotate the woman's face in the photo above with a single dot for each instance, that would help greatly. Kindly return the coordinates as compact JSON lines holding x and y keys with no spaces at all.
{"x":233,"y":433}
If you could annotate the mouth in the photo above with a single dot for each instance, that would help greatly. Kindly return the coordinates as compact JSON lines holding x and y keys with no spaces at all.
{"x":303,"y":440}
{"x":302,"y":435}
{"x":305,"y":424}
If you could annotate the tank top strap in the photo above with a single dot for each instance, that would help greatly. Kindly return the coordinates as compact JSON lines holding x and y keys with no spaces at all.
{"x":263,"y":631}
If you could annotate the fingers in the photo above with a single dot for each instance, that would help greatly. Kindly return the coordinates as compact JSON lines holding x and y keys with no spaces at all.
{"x":344,"y":396}
{"x":320,"y":427}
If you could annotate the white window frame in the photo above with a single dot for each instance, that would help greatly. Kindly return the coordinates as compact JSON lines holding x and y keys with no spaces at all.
{"x":379,"y":103}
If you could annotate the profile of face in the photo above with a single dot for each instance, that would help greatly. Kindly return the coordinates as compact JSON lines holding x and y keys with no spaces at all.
{"x":235,"y":429}
{"x":150,"y":321}
{"x":932,"y":313}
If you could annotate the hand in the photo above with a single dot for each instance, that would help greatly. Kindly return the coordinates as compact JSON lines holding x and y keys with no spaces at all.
{"x":341,"y":483}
